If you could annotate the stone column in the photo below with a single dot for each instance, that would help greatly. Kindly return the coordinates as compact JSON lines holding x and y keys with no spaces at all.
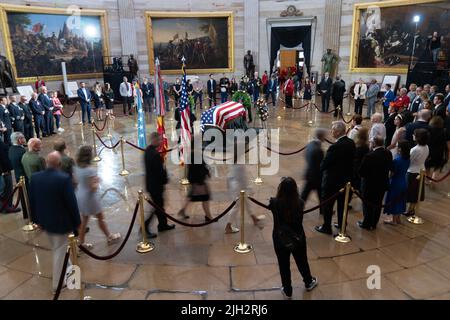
{"x":251,"y":31}
{"x":127,"y":27}
{"x":332,"y":25}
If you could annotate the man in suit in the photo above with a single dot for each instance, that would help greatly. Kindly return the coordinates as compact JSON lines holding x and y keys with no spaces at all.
{"x":337,"y":93}
{"x":28,"y":118}
{"x":156,"y":179}
{"x":211,"y":87}
{"x":433,"y":91}
{"x":447,"y":95}
{"x":48,"y":106}
{"x":336,"y":169}
{"x":38,"y":113}
{"x":148,"y":93}
{"x":440,"y":109}
{"x":415,"y":102}
{"x":372,"y":94}
{"x":423,"y":117}
{"x":15,"y":154}
{"x":374,"y":172}
{"x":325,"y":86}
{"x":55,"y":209}
{"x":85,"y":102}
{"x":17,"y":114}
{"x":360,"y":96}
{"x":5,"y":118}
{"x":389,"y":96}
{"x":313,"y":156}
{"x":126,"y":92}
{"x":5,"y":170}
{"x":31,"y":161}
{"x":272,"y":89}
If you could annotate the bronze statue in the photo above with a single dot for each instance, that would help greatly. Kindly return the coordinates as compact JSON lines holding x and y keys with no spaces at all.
{"x":249,"y":66}
{"x":133,"y":65}
{"x":6,"y":75}
{"x":329,"y":60}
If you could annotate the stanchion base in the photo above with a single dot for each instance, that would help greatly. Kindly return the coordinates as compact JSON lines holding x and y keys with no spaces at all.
{"x":348,"y":114}
{"x":144,"y":247}
{"x":448,"y":195}
{"x":243,"y":248}
{"x":80,"y":123}
{"x":124,"y":173}
{"x":184,"y":182}
{"x":109,"y":136}
{"x":88,"y":298}
{"x":258,"y":180}
{"x":96,"y":159}
{"x":279,"y":117}
{"x":342,"y":238}
{"x":415,"y":220}
{"x":29,"y":227}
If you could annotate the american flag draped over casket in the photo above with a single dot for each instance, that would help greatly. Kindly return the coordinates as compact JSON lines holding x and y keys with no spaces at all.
{"x":221,"y":114}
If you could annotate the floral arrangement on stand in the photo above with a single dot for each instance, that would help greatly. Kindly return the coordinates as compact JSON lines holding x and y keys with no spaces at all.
{"x":242,"y":97}
{"x":262,"y":110}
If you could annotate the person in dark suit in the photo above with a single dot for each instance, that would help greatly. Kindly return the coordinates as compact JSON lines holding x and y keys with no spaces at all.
{"x":440,"y":108}
{"x":423,"y":117}
{"x":48,"y":106}
{"x":325,"y":86}
{"x":55,"y":209}
{"x":272,"y":89}
{"x":416,"y":101}
{"x":337,"y":170}
{"x":337,"y":93}
{"x":148,"y":92}
{"x":15,"y":154}
{"x":38,"y":113}
{"x":5,"y":118}
{"x":17,"y":115}
{"x":374,"y":171}
{"x":313,"y":156}
{"x":211,"y":87}
{"x":28,"y":118}
{"x":156,"y":179}
{"x":5,"y":170}
{"x":85,"y":102}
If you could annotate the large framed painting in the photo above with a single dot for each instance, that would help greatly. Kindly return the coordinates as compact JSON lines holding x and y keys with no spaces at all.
{"x":38,"y":39}
{"x":390,"y":36}
{"x":205,"y":39}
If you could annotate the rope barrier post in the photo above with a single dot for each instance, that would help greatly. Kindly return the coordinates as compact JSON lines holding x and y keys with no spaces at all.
{"x":342,"y":236}
{"x":108,"y":118}
{"x":258,"y":179}
{"x":124,"y":171}
{"x":96,"y":157}
{"x":185,"y":181}
{"x":81,"y":118}
{"x":30,"y":226}
{"x":74,"y":258}
{"x":242,"y":247}
{"x":349,"y":106}
{"x":415,"y":219}
{"x":144,"y":246}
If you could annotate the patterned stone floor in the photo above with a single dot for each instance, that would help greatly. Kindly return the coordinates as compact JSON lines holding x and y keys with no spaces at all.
{"x":199,"y":263}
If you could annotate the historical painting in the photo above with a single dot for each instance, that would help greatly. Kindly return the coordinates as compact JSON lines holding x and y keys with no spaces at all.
{"x":391,"y":36}
{"x":205,"y":40}
{"x":40,"y":39}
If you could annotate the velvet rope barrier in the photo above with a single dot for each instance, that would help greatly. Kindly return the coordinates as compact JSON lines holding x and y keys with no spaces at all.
{"x":122,"y":245}
{"x":440,"y":179}
{"x":286,"y":153}
{"x":62,"y":276}
{"x":104,"y":125}
{"x":343,"y":119}
{"x":71,"y":115}
{"x":142,"y":149}
{"x":315,"y":106}
{"x":6,"y":201}
{"x":303,"y":106}
{"x":194,"y":225}
{"x":105,"y":145}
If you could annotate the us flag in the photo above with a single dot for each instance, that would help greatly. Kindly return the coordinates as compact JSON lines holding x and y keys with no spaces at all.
{"x":185,"y":114}
{"x":222,"y":114}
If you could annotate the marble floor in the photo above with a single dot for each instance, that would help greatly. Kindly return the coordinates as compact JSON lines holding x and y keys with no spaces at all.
{"x":200,"y":264}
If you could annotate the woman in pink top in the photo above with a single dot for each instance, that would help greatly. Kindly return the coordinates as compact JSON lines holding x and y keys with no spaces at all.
{"x":57,"y":110}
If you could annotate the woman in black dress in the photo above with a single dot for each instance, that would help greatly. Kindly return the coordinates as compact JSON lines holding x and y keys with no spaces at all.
{"x":438,"y":147}
{"x":199,"y":192}
{"x":288,"y":235}
{"x":108,"y":95}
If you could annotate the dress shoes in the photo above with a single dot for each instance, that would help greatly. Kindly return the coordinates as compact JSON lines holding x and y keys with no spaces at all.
{"x":323,"y":229}
{"x":363,"y":226}
{"x":336,"y":226}
{"x":166,"y":227}
{"x":151,"y":235}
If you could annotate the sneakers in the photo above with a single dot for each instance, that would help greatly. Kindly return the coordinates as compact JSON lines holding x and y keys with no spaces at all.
{"x":287,"y":293}
{"x":312,"y":284}
{"x":113,"y":238}
{"x":60,"y":130}
{"x":231,"y":229}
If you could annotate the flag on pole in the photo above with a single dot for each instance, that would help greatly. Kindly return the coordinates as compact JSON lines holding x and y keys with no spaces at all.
{"x":142,"y":134}
{"x":160,"y":109}
{"x":185,"y":115}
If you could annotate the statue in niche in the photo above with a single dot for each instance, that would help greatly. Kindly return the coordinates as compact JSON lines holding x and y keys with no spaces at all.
{"x":249,"y":66}
{"x":329,"y":60}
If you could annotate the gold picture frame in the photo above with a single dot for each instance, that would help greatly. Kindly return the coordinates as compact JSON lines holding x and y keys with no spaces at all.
{"x":178,"y":14}
{"x":6,"y":8}
{"x":354,"y":48}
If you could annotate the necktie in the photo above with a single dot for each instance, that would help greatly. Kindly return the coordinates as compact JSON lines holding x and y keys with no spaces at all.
{"x":359,"y":90}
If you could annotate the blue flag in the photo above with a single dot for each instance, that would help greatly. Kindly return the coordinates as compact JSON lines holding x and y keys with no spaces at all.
{"x":142,"y":136}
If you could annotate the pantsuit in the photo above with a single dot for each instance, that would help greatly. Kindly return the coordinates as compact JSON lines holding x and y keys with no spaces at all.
{"x":39,"y":125}
{"x":359,"y":106}
{"x":86,"y":111}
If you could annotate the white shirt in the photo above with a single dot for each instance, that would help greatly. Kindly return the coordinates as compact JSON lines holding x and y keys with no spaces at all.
{"x":377,"y":130}
{"x":124,"y":91}
{"x":417,"y":157}
{"x":354,"y":131}
{"x":362,"y":93}
{"x":85,"y":93}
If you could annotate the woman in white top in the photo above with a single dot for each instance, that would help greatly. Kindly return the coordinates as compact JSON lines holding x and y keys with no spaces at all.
{"x":418,"y":156}
{"x":399,"y":134}
{"x":356,"y":125}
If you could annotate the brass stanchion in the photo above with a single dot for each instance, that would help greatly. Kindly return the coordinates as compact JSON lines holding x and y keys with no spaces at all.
{"x":81,"y":118}
{"x":415,"y":219}
{"x":96,"y":157}
{"x":242,"y":247}
{"x":74,"y":259}
{"x":108,"y":118}
{"x":258,"y":179}
{"x":144,"y":246}
{"x":30,"y":226}
{"x":185,"y":181}
{"x":124,"y":171}
{"x":342,"y":236}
